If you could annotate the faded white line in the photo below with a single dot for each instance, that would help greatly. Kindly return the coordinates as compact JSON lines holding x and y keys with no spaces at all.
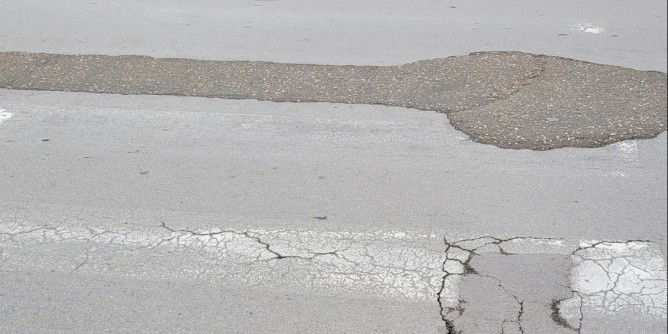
{"x":607,"y":277}
{"x":627,"y":152}
{"x":610,"y":278}
{"x":5,"y":115}
{"x":589,"y":28}
{"x":381,"y":264}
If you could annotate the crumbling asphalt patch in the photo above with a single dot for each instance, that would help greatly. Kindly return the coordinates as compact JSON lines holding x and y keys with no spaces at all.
{"x":508,"y":99}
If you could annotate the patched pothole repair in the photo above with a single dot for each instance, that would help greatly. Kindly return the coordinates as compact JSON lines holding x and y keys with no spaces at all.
{"x":509,"y":99}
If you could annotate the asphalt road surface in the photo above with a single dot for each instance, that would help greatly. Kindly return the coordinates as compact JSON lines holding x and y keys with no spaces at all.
{"x":333,"y":167}
{"x":509,"y":99}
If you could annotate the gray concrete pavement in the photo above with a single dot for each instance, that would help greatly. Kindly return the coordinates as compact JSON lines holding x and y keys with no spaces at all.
{"x":45,"y":304}
{"x":127,"y":183}
{"x":174,"y":214}
{"x":345,"y":32}
{"x":367,"y":167}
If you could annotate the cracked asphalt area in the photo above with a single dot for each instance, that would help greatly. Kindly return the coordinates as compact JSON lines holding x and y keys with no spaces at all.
{"x":509,"y":99}
{"x":181,"y":215}
{"x":534,"y":285}
{"x":481,"y":285}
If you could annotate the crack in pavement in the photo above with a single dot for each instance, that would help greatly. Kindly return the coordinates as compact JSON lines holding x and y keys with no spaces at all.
{"x":641,"y":274}
{"x":390,"y":265}
{"x":276,"y":255}
{"x":512,"y":100}
{"x":606,"y":277}
{"x":520,"y":312}
{"x":621,"y":277}
{"x":561,"y":321}
{"x":459,"y":265}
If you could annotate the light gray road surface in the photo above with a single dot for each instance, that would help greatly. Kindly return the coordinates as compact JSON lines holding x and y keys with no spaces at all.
{"x":162,"y":213}
{"x":345,"y":32}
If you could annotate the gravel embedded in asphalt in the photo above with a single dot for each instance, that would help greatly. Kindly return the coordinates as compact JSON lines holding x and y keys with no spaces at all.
{"x":508,"y":99}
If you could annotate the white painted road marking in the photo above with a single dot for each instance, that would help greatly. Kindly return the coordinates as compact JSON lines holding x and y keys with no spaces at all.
{"x":627,"y":152}
{"x":589,"y":28}
{"x":610,"y":278}
{"x":607,"y":277}
{"x":5,"y":115}
{"x":390,"y":264}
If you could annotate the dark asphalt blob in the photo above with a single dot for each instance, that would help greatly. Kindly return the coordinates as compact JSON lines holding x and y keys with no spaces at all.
{"x":508,"y":99}
{"x":442,"y":84}
{"x":572,"y":104}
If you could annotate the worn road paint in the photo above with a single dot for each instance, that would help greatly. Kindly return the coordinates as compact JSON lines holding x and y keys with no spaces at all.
{"x":627,"y":152}
{"x":382,"y":263}
{"x":611,"y":278}
{"x":5,"y":115}
{"x":589,"y":28}
{"x":606,"y":278}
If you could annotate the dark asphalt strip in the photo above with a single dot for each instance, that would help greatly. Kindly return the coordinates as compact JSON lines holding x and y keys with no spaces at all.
{"x":508,"y":99}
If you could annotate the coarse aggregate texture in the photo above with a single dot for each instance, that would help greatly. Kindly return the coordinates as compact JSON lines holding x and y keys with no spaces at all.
{"x":508,"y":99}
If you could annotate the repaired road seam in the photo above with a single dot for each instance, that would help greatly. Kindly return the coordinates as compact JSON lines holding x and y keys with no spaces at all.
{"x":512,"y":100}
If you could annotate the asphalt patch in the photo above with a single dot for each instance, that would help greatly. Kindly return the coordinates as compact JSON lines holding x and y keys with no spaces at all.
{"x":508,"y":99}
